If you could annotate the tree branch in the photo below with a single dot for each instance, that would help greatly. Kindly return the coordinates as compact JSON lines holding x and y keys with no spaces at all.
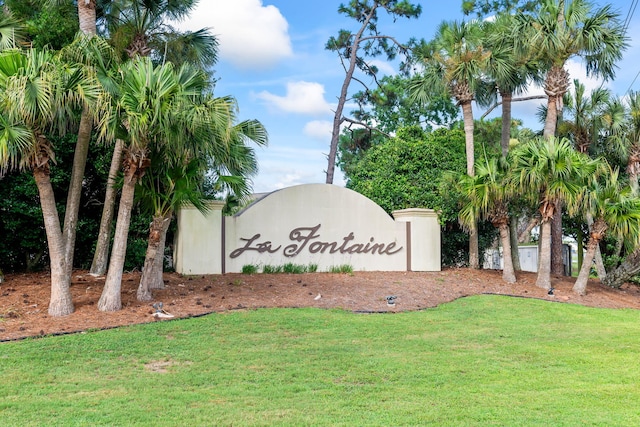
{"x":525,"y":98}
{"x":356,"y":122}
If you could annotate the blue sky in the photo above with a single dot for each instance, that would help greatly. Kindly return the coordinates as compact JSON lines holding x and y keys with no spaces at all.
{"x":273,"y":61}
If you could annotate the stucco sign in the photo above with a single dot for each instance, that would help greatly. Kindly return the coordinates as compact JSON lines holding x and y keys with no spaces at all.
{"x":319,"y":224}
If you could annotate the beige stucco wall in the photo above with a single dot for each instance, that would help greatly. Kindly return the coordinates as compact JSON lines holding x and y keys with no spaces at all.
{"x":425,"y":238}
{"x":198,"y":242}
{"x":339,"y":212}
{"x":302,"y":225}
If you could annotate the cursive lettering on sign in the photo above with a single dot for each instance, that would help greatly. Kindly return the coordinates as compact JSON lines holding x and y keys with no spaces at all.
{"x":306,"y":237}
{"x":259,"y":247}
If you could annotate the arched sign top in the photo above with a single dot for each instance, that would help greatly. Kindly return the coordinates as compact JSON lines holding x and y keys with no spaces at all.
{"x":314,"y":199}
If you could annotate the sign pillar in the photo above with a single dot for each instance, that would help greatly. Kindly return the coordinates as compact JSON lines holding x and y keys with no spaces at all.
{"x":425,"y":238}
{"x":198,"y":243}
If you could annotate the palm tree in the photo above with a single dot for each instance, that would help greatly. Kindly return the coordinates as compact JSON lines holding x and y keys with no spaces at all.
{"x":138,"y":28}
{"x":486,"y":196}
{"x":584,"y":121}
{"x":550,"y":172}
{"x":563,"y":29}
{"x":453,"y":63}
{"x":155,"y":107}
{"x":583,"y":117}
{"x":559,"y":31}
{"x":613,"y":210}
{"x":626,"y":141}
{"x":510,"y":70}
{"x":39,"y":93}
{"x":178,"y":178}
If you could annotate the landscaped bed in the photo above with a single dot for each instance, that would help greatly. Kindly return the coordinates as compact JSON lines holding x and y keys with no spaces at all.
{"x":24,"y":297}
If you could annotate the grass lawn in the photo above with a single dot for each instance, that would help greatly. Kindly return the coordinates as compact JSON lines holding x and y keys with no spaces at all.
{"x":483,"y":360}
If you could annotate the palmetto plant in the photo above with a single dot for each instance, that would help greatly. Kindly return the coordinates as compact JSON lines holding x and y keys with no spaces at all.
{"x":486,"y":195}
{"x":615,"y":211}
{"x":177,"y":175}
{"x":549,"y":171}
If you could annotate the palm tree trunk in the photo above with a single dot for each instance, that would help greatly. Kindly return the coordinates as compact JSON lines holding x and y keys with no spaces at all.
{"x":544,"y":263}
{"x":75,"y":187}
{"x":110,"y":300}
{"x":552,"y":117}
{"x":157,"y":281}
{"x":467,"y":114}
{"x":525,"y":236}
{"x":508,"y":273}
{"x":602,"y":272}
{"x":513,"y":236}
{"x":580,"y":286}
{"x":101,"y":255}
{"x":625,"y":271}
{"x":506,"y":122}
{"x":60,"y":303}
{"x":158,"y":228}
{"x":87,"y":16}
{"x":580,"y":251}
{"x":557,"y":265}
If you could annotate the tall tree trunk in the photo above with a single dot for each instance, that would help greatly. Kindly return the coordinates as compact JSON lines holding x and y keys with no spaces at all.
{"x":580,"y":251}
{"x":602,"y":272}
{"x":342,"y":99}
{"x":155,"y":252}
{"x":157,"y":281}
{"x":110,"y":299}
{"x":552,"y":117}
{"x":580,"y":286}
{"x":60,"y":303}
{"x":557,"y":264}
{"x":467,"y":114}
{"x":506,"y":122}
{"x":87,"y":16}
{"x":75,"y":187}
{"x":625,"y":271}
{"x":544,"y":263}
{"x":508,"y":273}
{"x":525,"y":236}
{"x":513,"y":236}
{"x":101,"y":255}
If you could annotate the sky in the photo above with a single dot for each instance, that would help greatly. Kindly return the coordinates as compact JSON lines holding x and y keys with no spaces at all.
{"x":273,"y":61}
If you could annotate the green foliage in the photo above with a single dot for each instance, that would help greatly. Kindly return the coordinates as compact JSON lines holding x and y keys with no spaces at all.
{"x":388,"y":107}
{"x":288,"y":268}
{"x":272,"y":269}
{"x":24,"y":245}
{"x":293,"y":268}
{"x":487,"y":7}
{"x":409,"y":171}
{"x":341,"y":269}
{"x":54,"y":26}
{"x":406,"y":171}
{"x":249,"y":269}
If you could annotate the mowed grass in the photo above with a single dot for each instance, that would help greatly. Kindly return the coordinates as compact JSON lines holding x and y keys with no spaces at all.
{"x":483,"y":360}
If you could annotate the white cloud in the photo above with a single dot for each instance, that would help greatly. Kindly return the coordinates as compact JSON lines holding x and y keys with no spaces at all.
{"x":250,"y":34}
{"x":319,"y":129}
{"x":301,"y":98}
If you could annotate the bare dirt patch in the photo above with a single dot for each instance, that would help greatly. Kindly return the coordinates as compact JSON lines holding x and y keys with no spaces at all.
{"x":24,"y":297}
